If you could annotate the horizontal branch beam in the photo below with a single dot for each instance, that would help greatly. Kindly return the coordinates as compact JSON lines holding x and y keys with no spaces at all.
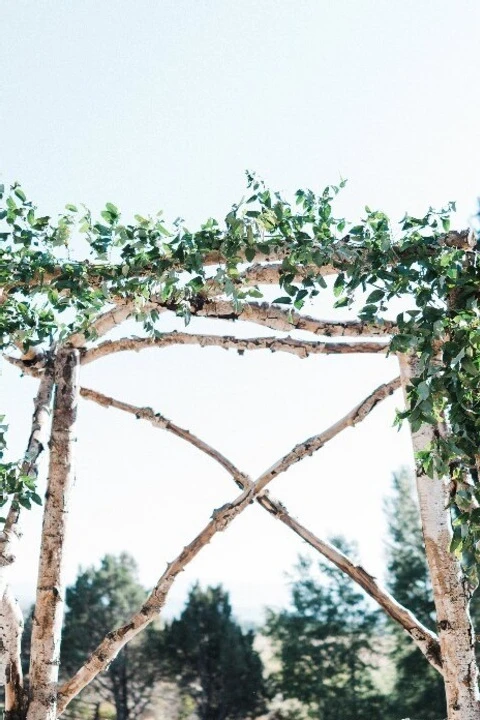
{"x":96,"y":274}
{"x":277,"y":318}
{"x":300,"y":348}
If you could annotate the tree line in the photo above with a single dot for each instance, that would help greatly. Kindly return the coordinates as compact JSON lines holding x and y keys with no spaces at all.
{"x":334,"y":655}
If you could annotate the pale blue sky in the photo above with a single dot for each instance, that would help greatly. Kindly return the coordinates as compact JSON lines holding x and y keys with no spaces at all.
{"x":164,"y":105}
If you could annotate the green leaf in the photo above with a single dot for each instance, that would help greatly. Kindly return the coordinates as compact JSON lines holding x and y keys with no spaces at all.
{"x":107,"y":217}
{"x":456,"y":543}
{"x":112,"y":208}
{"x":375,"y":296}
{"x":339,"y":284}
{"x":283,"y":300}
{"x":20,"y":194}
{"x":423,"y":390}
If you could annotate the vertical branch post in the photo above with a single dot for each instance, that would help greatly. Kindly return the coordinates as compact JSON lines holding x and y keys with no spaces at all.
{"x":49,"y":607}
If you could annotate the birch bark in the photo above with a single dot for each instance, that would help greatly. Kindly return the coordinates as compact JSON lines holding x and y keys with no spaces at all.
{"x":49,"y":607}
{"x":450,"y":590}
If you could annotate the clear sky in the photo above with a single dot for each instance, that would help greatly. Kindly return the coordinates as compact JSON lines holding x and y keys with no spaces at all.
{"x":164,"y":105}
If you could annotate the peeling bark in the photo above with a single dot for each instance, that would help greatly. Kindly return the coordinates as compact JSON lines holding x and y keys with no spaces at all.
{"x":49,"y":607}
{"x":450,"y":589}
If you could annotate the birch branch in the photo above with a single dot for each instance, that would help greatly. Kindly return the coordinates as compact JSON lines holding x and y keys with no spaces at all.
{"x":221,"y":519}
{"x":277,"y":318}
{"x":11,"y":625}
{"x":422,"y":636}
{"x":300,"y":348}
{"x":36,"y":445}
{"x":316,"y":442}
{"x":159,"y":421}
{"x":95,"y":275}
{"x":49,"y":606}
{"x":115,"y":640}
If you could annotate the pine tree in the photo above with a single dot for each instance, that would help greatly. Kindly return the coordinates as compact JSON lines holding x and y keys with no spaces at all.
{"x":98,"y":600}
{"x":325,"y":643}
{"x":214,"y":659}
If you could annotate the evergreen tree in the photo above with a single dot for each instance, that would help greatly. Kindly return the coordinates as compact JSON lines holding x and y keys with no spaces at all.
{"x":325,"y":643}
{"x":418,"y":690}
{"x":99,"y":600}
{"x":213,"y":659}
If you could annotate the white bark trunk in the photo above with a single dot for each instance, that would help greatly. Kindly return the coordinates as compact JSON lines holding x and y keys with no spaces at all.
{"x":451,"y":593}
{"x":49,"y":608}
{"x":11,"y":622}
